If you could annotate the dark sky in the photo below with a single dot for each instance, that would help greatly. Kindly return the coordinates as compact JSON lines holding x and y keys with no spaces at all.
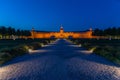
{"x":50,"y":14}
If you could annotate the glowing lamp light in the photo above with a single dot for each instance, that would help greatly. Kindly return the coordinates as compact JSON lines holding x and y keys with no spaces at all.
{"x":85,"y":52}
{"x":30,"y":50}
{"x":42,"y":45}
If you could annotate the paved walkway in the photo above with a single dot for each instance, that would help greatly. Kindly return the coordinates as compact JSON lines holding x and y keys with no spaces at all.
{"x":60,"y":61}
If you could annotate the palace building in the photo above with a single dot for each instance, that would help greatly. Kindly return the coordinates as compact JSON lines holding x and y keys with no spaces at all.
{"x":61,"y":34}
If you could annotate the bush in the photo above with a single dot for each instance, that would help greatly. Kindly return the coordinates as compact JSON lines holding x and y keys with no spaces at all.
{"x":5,"y":57}
{"x":45,"y":42}
{"x":35,"y":45}
{"x":20,"y":50}
{"x":16,"y":51}
{"x":109,"y":49}
{"x":9,"y":53}
{"x":110,"y":52}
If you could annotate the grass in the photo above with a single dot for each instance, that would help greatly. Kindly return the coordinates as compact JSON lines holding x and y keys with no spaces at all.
{"x":12,"y":48}
{"x":110,"y":49}
{"x":12,"y":43}
{"x":9,"y":53}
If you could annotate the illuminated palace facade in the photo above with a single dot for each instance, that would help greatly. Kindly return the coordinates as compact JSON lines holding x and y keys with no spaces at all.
{"x":61,"y":34}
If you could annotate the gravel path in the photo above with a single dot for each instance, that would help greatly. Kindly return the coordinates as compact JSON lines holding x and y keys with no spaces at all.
{"x":60,"y":61}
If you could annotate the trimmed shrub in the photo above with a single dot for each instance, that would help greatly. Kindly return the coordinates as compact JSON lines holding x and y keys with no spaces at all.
{"x":110,"y":52}
{"x":20,"y":50}
{"x":45,"y":42}
{"x":35,"y":45}
{"x":9,"y":53}
{"x":4,"y":57}
{"x":109,"y":49}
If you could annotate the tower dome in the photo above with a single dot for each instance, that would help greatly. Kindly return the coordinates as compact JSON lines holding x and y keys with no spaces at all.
{"x":90,"y":29}
{"x":61,"y":29}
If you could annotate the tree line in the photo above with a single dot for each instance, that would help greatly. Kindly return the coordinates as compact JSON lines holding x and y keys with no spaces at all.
{"x":9,"y":31}
{"x":107,"y":32}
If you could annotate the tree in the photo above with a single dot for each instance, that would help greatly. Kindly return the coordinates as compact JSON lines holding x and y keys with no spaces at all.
{"x":3,"y":30}
{"x":119,"y":31}
{"x":107,"y":32}
{"x":98,"y":32}
{"x":27,"y":33}
{"x":18,"y":32}
{"x":11,"y":31}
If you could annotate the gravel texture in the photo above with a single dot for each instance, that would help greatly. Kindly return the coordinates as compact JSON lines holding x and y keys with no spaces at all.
{"x":60,"y":61}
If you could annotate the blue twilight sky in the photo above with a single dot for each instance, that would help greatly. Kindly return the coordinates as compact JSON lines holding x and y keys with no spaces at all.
{"x":75,"y":15}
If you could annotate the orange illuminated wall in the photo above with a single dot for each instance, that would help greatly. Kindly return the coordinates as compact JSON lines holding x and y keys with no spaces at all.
{"x":61,"y":34}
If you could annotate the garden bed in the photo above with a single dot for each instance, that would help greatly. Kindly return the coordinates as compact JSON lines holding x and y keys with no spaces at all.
{"x":110,"y":49}
{"x":12,"y":48}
